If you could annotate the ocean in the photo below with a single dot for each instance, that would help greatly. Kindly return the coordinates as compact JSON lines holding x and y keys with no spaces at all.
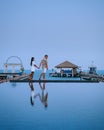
{"x":51,"y":106}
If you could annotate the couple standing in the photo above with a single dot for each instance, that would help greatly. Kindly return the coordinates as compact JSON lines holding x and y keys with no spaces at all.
{"x":43,"y":64}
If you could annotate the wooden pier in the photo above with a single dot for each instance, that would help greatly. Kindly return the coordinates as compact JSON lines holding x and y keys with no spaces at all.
{"x":15,"y":77}
{"x":55,"y":81}
{"x":23,"y":78}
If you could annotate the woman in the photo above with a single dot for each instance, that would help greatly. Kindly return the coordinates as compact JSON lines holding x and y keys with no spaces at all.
{"x":33,"y":66}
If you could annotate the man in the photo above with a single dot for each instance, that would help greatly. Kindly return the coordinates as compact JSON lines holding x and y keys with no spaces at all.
{"x":44,"y":64}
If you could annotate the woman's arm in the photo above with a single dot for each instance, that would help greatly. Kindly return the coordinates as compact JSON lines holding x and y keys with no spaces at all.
{"x":36,"y":66}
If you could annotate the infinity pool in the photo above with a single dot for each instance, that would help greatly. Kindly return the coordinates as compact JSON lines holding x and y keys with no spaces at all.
{"x":52,"y":106}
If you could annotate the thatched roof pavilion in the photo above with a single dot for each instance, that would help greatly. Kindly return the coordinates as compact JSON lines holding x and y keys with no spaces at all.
{"x":66,"y":64}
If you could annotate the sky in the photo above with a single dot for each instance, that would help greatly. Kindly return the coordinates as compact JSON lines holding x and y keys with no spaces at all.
{"x":71,"y":30}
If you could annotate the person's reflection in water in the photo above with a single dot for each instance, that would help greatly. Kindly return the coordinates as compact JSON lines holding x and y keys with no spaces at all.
{"x":33,"y":95}
{"x":44,"y":95}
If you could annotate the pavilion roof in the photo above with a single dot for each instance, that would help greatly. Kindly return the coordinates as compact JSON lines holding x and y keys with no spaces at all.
{"x":66,"y":64}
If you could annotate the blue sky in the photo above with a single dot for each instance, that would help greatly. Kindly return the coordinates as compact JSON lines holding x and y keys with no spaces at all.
{"x":70,"y":30}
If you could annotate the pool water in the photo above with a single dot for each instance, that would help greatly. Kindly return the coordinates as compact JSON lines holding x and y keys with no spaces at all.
{"x":52,"y":106}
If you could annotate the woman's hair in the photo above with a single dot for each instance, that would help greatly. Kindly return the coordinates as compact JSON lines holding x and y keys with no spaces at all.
{"x":46,"y":55}
{"x":32,"y":58}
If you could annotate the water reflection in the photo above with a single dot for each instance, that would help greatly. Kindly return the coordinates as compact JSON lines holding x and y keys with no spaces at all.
{"x":33,"y":95}
{"x":14,"y":84}
{"x":43,"y":96}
